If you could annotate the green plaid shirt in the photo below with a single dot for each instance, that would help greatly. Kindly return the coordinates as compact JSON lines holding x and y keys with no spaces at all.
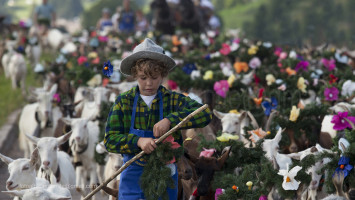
{"x":176,"y":106}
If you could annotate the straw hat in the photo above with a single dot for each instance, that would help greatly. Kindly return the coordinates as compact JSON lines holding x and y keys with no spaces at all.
{"x":146,"y":49}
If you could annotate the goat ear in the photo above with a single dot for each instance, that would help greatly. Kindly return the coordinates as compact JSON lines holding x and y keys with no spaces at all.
{"x":278,"y":135}
{"x":62,"y":139}
{"x":53,"y":90}
{"x":218,"y":114}
{"x":223,"y":158}
{"x":67,"y":121}
{"x":296,"y":156}
{"x":18,"y":193}
{"x":6,"y":159}
{"x":34,"y":157}
{"x":32,"y":138}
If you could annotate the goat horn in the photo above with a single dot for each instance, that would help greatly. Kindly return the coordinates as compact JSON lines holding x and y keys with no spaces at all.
{"x":253,"y":120}
{"x":344,"y":107}
{"x":351,"y":123}
{"x":268,"y":122}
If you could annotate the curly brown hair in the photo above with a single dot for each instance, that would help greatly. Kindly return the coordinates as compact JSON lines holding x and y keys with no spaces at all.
{"x":151,"y":68}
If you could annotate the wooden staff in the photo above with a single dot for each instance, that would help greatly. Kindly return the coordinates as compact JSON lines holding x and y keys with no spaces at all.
{"x":186,"y":119}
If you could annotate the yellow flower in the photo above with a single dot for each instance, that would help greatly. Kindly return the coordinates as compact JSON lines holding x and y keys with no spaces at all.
{"x":92,"y":55}
{"x":150,"y":34}
{"x":270,"y":79}
{"x":253,"y":50}
{"x":231,"y":80}
{"x":208,"y":75}
{"x":235,"y":111}
{"x":225,"y":137}
{"x":301,"y":85}
{"x":249,"y":184}
{"x":295,"y":112}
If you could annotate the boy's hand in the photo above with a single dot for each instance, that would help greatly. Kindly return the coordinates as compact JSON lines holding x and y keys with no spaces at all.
{"x":146,"y":144}
{"x":161,"y":127}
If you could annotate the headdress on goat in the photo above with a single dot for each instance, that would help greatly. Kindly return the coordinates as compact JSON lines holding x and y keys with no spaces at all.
{"x":146,"y":49}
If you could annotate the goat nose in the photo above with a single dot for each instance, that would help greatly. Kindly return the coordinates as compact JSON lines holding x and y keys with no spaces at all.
{"x":46,"y":163}
{"x":314,"y":182}
{"x":77,"y":138}
{"x":9,"y":183}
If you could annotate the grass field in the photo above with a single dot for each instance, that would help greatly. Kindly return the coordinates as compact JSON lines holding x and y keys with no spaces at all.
{"x":10,"y":99}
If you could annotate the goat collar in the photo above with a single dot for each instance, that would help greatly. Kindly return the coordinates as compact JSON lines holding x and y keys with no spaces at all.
{"x":83,"y":147}
{"x":57,"y":174}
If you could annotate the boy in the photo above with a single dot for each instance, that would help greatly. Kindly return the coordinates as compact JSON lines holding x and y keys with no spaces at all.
{"x":146,"y":112}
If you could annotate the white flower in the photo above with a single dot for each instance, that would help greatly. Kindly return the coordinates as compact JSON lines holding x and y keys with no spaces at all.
{"x":234,"y":46}
{"x":289,"y":182}
{"x":292,"y":54}
{"x":195,"y":74}
{"x":267,"y":44}
{"x":270,"y":79}
{"x":254,"y":63}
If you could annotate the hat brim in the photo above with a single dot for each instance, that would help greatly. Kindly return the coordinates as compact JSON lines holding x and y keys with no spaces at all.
{"x":128,"y":62}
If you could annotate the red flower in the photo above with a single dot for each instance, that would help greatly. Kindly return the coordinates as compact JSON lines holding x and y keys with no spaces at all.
{"x":333,"y":79}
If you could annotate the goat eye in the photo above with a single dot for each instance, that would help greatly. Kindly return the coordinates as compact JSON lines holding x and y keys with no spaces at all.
{"x":25,"y":168}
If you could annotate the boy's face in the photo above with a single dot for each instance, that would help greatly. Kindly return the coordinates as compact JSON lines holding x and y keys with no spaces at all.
{"x":148,"y":86}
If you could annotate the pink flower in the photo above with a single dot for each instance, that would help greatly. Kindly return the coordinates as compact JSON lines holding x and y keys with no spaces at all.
{"x":174,"y":145}
{"x":331,"y":94}
{"x":339,"y":121}
{"x":56,"y":97}
{"x":254,"y":63}
{"x":302,"y":65}
{"x":82,"y":60}
{"x":96,"y":60}
{"x":207,"y":152}
{"x":103,"y":38}
{"x":283,"y":55}
{"x":172,"y":84}
{"x":225,"y":50}
{"x":219,"y":191}
{"x":329,"y":64}
{"x":278,"y":51}
{"x":221,"y":88}
{"x":263,"y":197}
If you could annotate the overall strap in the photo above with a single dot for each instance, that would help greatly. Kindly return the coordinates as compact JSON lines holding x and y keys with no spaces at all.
{"x":160,"y":105}
{"x":134,"y":110}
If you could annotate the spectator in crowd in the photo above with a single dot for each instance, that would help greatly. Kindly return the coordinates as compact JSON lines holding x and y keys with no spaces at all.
{"x":104,"y":22}
{"x":142,"y":23}
{"x":45,"y":14}
{"x":115,"y":17}
{"x":127,"y":19}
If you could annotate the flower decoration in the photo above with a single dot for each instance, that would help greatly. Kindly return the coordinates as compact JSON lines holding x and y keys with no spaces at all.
{"x":174,"y":145}
{"x":241,"y":66}
{"x":221,"y":88}
{"x":344,"y":166}
{"x":316,"y":74}
{"x":226,"y":68}
{"x":225,"y":50}
{"x":331,"y":94}
{"x":208,"y":75}
{"x":270,"y":79}
{"x":257,"y":134}
{"x":269,"y":106}
{"x":329,"y":64}
{"x":341,"y":59}
{"x":256,"y":79}
{"x":102,"y":38}
{"x":96,"y":60}
{"x":301,"y":84}
{"x":253,"y":50}
{"x":260,"y":97}
{"x":56,"y":98}
{"x":225,"y":137}
{"x":93,"y":55}
{"x":207,"y":153}
{"x":234,"y":46}
{"x":219,"y":191}
{"x":172,"y":85}
{"x":235,"y":111}
{"x":107,"y":69}
{"x":231,"y":80}
{"x":289,"y":182}
{"x":235,"y":188}
{"x":277,"y":51}
{"x":282,"y":87}
{"x":249,"y":184}
{"x":195,"y":74}
{"x":302,"y":65}
{"x":292,"y":54}
{"x":175,"y":40}
{"x":290,"y":71}
{"x":254,"y":63}
{"x":188,"y":68}
{"x":339,"y":121}
{"x":282,"y":56}
{"x":333,"y":79}
{"x":82,"y":60}
{"x":295,"y":112}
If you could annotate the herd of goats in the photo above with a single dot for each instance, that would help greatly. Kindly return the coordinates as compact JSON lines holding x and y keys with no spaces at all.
{"x":65,"y":158}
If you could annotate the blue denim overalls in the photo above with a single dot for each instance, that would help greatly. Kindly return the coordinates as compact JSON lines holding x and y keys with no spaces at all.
{"x":129,"y":188}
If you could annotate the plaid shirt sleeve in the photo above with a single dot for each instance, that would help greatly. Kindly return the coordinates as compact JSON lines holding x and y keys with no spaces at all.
{"x":116,"y":140}
{"x":183,"y":106}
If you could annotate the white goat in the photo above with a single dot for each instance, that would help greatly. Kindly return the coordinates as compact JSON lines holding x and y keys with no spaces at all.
{"x":91,"y":109}
{"x":5,"y":60}
{"x":114,"y":163}
{"x":34,"y":117}
{"x":23,"y":173}
{"x":53,"y":160}
{"x":82,"y":142}
{"x":271,"y":146}
{"x":17,"y":70}
{"x":348,"y":89}
{"x":53,"y":192}
{"x":311,"y":191}
{"x":234,"y":123}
